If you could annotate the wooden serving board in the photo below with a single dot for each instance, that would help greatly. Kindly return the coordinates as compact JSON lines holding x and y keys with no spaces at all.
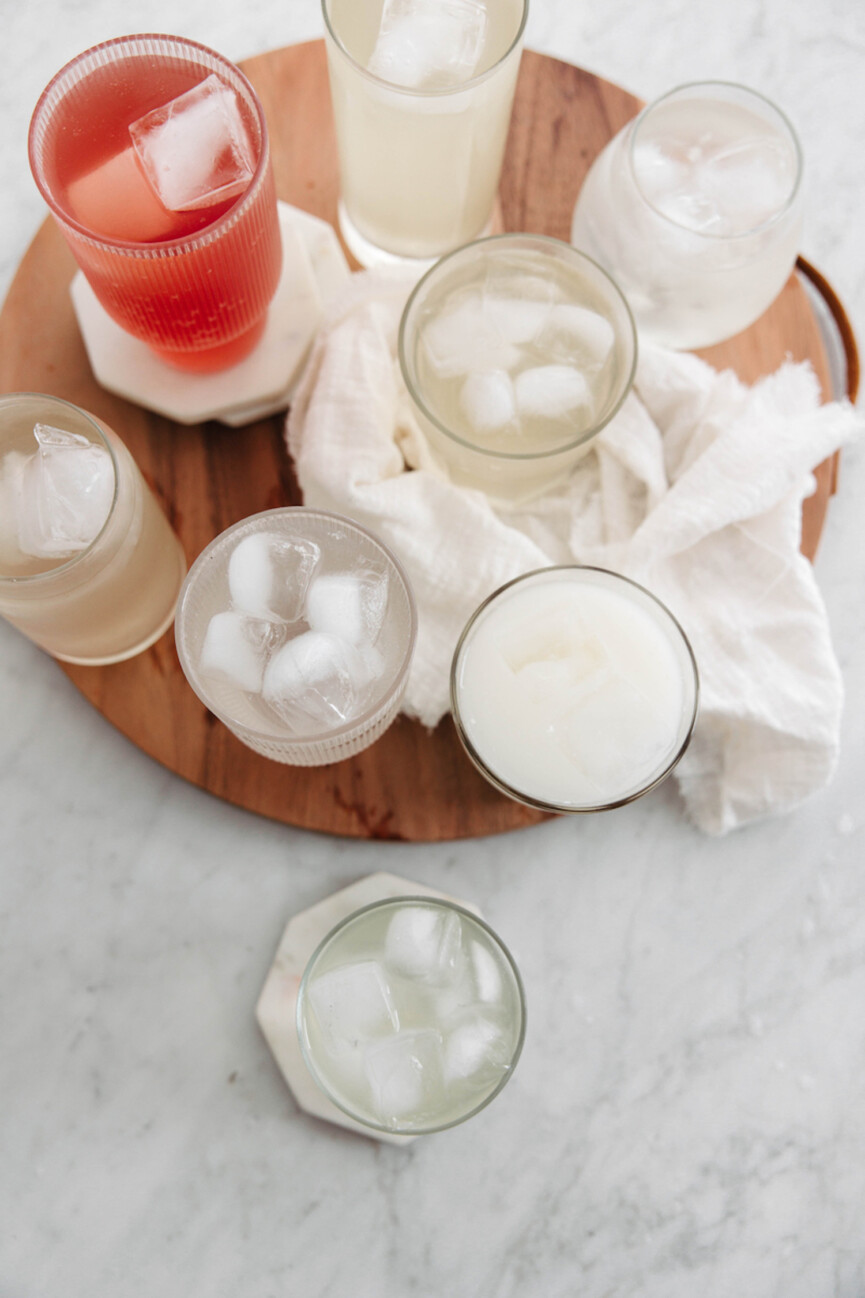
{"x":412,"y":784}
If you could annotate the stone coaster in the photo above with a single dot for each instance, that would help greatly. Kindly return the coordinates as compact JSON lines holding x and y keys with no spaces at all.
{"x":277,"y":1003}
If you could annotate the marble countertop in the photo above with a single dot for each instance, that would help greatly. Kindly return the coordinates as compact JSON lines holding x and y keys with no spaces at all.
{"x":688,"y":1115}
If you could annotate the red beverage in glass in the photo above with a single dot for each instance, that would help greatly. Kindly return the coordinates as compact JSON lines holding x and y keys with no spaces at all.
{"x":195,"y":283}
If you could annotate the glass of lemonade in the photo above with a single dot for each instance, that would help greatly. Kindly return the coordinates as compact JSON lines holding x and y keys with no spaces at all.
{"x":422,"y":93}
{"x":411,"y":1015}
{"x":296,"y":627}
{"x":695,"y":208}
{"x":516,"y":351}
{"x":574,"y":689}
{"x":89,"y":566}
{"x":152,"y":153}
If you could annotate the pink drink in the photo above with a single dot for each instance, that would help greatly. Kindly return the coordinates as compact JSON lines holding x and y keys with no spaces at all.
{"x":194,"y":283}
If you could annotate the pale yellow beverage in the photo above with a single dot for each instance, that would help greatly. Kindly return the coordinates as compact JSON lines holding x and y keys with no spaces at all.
{"x":422,"y":94}
{"x":90,"y":569}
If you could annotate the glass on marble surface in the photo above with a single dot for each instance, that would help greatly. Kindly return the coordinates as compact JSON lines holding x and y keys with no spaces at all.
{"x":152,"y":153}
{"x":422,"y":93}
{"x":411,"y":1015}
{"x":574,"y":689}
{"x":90,"y":569}
{"x":695,"y":208}
{"x":516,"y":351}
{"x":296,"y":627}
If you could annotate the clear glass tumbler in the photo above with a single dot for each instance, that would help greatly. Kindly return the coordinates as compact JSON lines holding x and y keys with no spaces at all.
{"x":193,"y":282}
{"x":296,"y":627}
{"x":422,"y":98}
{"x":695,"y":208}
{"x":89,"y":566}
{"x":411,"y":1015}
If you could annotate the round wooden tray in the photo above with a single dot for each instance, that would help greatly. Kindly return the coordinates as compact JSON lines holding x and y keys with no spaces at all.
{"x":412,"y":784}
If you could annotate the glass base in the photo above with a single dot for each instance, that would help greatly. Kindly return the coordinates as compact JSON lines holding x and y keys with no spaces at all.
{"x":370,"y":254}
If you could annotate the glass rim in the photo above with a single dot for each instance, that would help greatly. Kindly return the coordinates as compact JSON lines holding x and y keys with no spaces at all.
{"x":128,"y":247}
{"x":33,"y":578}
{"x":717,"y":85}
{"x":410,"y":92}
{"x":348,"y":728}
{"x":542,"y":804}
{"x":412,"y":899}
{"x":555,"y":247}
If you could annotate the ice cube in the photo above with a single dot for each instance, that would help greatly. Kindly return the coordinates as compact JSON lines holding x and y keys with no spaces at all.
{"x":424,"y":943}
{"x":236,"y":649}
{"x":406,"y":1076}
{"x":195,"y":150}
{"x":429,"y":44}
{"x":348,"y":604}
{"x":518,"y":320}
{"x":353,"y":1003}
{"x":465,"y":337}
{"x":67,"y":488}
{"x":475,"y":1049}
{"x":486,"y":973}
{"x":268,"y":575}
{"x":615,"y":734}
{"x":581,"y":334}
{"x":487,"y":400}
{"x":315,"y":680}
{"x":748,"y":181}
{"x":552,"y":392}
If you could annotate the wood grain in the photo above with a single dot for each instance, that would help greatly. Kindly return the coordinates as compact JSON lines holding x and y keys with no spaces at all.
{"x":411,"y":785}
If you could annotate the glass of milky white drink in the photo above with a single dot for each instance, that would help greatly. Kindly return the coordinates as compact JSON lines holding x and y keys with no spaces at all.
{"x":574,"y":689}
{"x":89,"y":567}
{"x":422,"y":93}
{"x":411,"y":1015}
{"x":296,"y":628}
{"x":696,"y":209}
{"x":516,"y":350}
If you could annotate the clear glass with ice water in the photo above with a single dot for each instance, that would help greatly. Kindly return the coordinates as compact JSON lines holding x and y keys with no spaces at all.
{"x":296,"y":628}
{"x":89,"y":566}
{"x":411,"y":1015}
{"x":695,"y":208}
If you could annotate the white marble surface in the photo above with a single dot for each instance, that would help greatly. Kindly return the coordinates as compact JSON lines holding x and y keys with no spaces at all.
{"x":688,"y":1116}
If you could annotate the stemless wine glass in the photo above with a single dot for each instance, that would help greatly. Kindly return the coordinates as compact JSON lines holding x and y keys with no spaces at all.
{"x":695,"y":208}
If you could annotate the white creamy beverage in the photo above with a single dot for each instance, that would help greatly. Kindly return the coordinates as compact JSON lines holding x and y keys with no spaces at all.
{"x":574,"y":688}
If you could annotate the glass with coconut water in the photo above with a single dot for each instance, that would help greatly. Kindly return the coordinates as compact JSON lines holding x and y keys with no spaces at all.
{"x":696,"y":209}
{"x":411,"y":1015}
{"x":422,"y":93}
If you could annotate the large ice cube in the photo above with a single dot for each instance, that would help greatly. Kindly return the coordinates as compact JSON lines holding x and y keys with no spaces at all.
{"x":315,"y":681}
{"x":196,"y":150}
{"x":475,"y":1049}
{"x":579,"y":334}
{"x":353,"y":1003}
{"x":67,"y":488}
{"x":465,"y":337}
{"x":615,"y":734}
{"x":487,"y":401}
{"x":747,"y":180}
{"x":486,"y":973}
{"x":424,"y":943}
{"x":236,"y":648}
{"x":268,"y":575}
{"x":348,"y":604}
{"x":552,"y":392}
{"x":429,"y":44}
{"x":406,"y":1076}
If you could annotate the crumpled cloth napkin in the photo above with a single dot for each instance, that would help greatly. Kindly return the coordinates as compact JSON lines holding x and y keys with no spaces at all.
{"x":695,"y":490}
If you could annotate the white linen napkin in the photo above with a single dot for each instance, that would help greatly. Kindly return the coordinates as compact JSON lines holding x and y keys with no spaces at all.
{"x":695,"y":490}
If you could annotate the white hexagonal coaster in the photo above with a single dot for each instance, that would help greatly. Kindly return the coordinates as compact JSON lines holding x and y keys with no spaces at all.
{"x":277,"y":1003}
{"x":314,"y":268}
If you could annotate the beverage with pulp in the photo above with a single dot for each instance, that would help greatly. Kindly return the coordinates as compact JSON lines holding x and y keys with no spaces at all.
{"x":422,"y":95}
{"x":574,"y":689}
{"x":516,"y":351}
{"x":89,"y":566}
{"x":695,"y":208}
{"x":411,"y":1015}
{"x":153,"y":154}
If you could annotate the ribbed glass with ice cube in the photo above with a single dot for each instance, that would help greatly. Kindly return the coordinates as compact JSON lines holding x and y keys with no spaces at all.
{"x":411,"y":1015}
{"x":296,"y":628}
{"x":695,"y":208}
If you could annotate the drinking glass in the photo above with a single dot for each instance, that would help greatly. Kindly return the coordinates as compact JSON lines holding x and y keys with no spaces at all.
{"x":193,"y":282}
{"x":422,"y":95}
{"x":84,"y":599}
{"x":695,"y":208}
{"x":411,"y":1015}
{"x":574,"y":689}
